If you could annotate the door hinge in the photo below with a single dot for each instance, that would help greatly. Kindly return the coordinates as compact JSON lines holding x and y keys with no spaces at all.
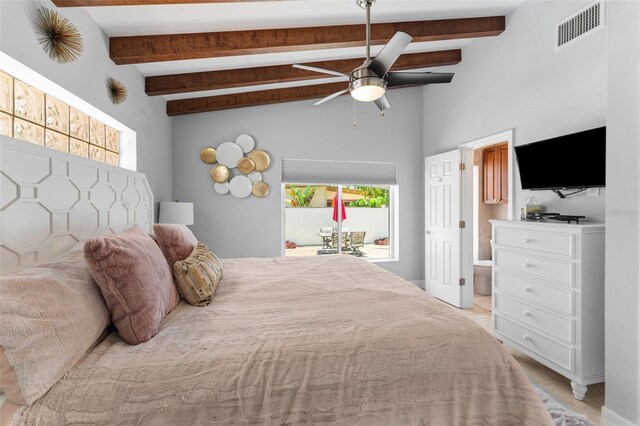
{"x":461,"y":224}
{"x":461,"y":166}
{"x":462,"y":282}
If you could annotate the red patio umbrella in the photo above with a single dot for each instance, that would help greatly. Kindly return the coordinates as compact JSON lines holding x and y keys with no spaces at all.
{"x":334,"y":204}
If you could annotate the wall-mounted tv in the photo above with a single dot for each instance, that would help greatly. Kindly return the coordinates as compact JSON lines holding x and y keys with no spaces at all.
{"x":570,"y":161}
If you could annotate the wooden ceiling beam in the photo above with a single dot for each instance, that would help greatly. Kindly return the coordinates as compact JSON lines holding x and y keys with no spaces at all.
{"x":175,"y":47}
{"x":225,"y":79}
{"x":92,"y":3}
{"x":262,"y":97}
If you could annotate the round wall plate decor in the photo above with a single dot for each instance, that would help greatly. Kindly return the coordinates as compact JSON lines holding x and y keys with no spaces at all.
{"x":260,"y":189}
{"x":208,"y":155}
{"x":240,"y":186}
{"x":255,"y":176}
{"x":246,"y":165}
{"x":246,"y":142}
{"x":261,"y":159}
{"x":220,"y":173}
{"x":221,"y":188}
{"x":228,"y":154}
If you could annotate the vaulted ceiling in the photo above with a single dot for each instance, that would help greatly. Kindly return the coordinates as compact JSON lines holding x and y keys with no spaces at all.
{"x":207,"y":55}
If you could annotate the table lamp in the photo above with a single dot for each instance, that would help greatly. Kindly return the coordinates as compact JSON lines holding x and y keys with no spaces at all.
{"x":176,"y":212}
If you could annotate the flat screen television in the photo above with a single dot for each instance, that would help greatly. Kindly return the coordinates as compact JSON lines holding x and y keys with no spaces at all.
{"x":570,"y":161}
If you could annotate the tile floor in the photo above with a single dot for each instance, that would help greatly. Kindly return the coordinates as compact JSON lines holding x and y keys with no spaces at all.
{"x":482,"y":301}
{"x":555,"y":384}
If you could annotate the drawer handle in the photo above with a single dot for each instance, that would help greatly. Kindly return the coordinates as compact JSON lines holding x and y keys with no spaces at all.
{"x":526,"y":240}
{"x":527,"y":338}
{"x":526,"y":313}
{"x":527,"y":289}
{"x":527,"y":264}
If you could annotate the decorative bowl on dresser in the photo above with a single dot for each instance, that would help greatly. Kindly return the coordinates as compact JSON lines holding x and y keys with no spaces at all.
{"x":548,"y":287}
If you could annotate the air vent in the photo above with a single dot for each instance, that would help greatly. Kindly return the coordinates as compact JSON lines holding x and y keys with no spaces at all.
{"x":580,"y":24}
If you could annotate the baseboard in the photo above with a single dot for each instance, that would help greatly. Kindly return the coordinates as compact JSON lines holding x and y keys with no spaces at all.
{"x":418,"y":283}
{"x":610,"y":418}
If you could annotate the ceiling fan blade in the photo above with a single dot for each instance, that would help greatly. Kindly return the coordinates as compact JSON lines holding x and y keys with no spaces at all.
{"x":328,"y":98}
{"x":320,"y":70}
{"x":390,"y":53}
{"x":382,"y":103}
{"x":398,"y":79}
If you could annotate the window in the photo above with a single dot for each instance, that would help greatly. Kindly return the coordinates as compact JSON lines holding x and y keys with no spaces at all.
{"x":314,"y":222}
{"x":31,"y":115}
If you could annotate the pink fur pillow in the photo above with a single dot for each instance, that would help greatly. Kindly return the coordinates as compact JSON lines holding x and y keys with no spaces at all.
{"x":135,"y":281}
{"x":176,"y":241}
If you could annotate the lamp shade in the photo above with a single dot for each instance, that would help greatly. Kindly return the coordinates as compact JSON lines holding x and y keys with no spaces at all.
{"x":176,"y":212}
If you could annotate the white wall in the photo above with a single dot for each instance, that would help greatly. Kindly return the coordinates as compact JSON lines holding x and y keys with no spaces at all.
{"x":303,"y":224}
{"x":622,"y":297}
{"x":252,"y":227}
{"x":86,"y":78}
{"x":516,"y":80}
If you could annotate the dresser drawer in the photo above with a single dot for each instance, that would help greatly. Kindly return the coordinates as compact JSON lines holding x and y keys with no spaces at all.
{"x":552,"y":297}
{"x":562,"y":244}
{"x":535,"y":342}
{"x":552,"y":324}
{"x":556,"y":270}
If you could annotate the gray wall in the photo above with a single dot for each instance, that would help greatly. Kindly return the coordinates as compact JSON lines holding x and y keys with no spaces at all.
{"x":252,"y":227}
{"x":86,"y":78}
{"x":622,"y":298}
{"x":516,"y":80}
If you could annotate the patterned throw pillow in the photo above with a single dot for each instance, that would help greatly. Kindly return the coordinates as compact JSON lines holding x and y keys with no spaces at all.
{"x":198,"y":275}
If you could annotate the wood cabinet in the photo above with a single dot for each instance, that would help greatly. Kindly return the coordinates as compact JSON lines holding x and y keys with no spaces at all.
{"x":495,"y":161}
{"x":548,"y":295}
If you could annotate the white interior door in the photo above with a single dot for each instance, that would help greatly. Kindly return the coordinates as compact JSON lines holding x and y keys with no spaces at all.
{"x":442,"y":228}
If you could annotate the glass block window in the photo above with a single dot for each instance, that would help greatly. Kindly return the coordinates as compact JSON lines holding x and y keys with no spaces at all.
{"x":33,"y":116}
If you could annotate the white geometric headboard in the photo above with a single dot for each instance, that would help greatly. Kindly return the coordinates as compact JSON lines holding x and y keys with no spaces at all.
{"x":50,"y":200}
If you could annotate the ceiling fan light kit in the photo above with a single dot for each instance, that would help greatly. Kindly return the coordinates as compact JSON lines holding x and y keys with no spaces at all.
{"x":369,"y":82}
{"x":366,"y":86}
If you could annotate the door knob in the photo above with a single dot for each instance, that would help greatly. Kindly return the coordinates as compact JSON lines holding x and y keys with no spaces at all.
{"x":527,"y":264}
{"x":526,"y":240}
{"x":527,"y":289}
{"x":526,"y":313}
{"x":527,"y":338}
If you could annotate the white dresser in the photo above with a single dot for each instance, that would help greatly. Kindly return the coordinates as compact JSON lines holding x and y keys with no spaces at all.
{"x":548,"y":295}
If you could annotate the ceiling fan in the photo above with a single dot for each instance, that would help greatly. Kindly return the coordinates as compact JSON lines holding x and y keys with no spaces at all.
{"x":370,"y":80}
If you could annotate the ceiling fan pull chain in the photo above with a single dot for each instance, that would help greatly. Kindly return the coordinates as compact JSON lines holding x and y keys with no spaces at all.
{"x":354,"y":114}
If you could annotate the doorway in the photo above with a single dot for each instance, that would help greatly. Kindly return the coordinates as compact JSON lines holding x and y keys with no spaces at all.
{"x":490,"y":201}
{"x":449,"y":215}
{"x":487,"y":194}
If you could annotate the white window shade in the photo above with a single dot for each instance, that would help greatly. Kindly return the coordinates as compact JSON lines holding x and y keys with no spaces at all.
{"x":339,"y":172}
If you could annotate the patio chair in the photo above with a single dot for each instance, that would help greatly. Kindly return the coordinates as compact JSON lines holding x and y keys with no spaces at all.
{"x":356,"y":241}
{"x":345,"y":240}
{"x":325,"y":232}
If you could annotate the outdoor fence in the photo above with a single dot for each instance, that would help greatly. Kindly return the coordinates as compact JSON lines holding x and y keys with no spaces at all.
{"x":303,"y":224}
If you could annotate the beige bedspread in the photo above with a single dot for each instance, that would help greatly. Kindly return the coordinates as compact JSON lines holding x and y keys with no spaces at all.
{"x":328,"y":339}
